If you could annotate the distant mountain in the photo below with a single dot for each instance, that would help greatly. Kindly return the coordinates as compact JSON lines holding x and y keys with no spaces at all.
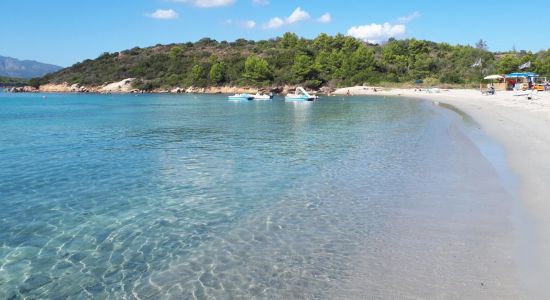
{"x":12,"y":67}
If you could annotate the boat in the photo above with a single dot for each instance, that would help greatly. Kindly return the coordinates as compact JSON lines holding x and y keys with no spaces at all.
{"x":300,"y":95}
{"x":240,"y":97}
{"x":263,"y":97}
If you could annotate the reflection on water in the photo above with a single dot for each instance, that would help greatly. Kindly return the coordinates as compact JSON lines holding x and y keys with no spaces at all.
{"x":176,"y":197}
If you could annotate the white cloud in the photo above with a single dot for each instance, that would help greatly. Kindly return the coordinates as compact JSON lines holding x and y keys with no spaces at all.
{"x":274,"y":23}
{"x":249,"y":24}
{"x":409,"y":17}
{"x":298,"y":15}
{"x":260,"y":2}
{"x":207,"y":3}
{"x":326,"y":18}
{"x":163,"y":14}
{"x":376,"y":33}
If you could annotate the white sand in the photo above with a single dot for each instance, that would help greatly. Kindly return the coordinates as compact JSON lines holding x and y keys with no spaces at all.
{"x":522,"y":126}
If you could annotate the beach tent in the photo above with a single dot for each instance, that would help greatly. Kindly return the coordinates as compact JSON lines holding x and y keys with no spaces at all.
{"x":516,"y":80}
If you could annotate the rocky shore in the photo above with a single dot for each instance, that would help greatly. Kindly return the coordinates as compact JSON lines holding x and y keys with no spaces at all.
{"x":21,"y":89}
{"x":125,"y":86}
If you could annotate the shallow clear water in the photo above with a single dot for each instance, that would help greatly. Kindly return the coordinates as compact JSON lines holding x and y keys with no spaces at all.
{"x":189,"y":196}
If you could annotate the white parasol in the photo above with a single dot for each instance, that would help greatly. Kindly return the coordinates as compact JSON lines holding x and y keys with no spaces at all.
{"x":493,"y":77}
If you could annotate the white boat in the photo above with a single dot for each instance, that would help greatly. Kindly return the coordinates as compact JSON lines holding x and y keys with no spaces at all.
{"x":300,"y":95}
{"x":240,"y":97}
{"x":263,"y":97}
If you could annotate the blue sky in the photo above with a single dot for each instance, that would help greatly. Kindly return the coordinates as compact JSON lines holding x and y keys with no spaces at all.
{"x":64,"y":32}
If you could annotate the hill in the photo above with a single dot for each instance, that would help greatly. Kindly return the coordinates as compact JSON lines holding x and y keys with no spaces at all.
{"x":12,"y":67}
{"x":324,"y":61}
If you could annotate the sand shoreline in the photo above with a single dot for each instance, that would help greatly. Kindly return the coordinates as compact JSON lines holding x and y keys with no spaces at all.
{"x":521,"y":126}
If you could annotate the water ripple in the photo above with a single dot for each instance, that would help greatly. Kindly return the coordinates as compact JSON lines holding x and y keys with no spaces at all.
{"x":169,"y":197}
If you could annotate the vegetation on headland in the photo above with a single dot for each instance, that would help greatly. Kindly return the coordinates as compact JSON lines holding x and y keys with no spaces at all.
{"x":333,"y":61}
{"x":9,"y":81}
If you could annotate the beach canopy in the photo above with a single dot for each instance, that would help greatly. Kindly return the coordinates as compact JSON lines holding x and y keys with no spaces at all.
{"x":525,"y":75}
{"x":493,"y":77}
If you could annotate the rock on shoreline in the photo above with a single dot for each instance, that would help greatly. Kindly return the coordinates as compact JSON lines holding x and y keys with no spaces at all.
{"x":125,"y":86}
{"x":21,"y":89}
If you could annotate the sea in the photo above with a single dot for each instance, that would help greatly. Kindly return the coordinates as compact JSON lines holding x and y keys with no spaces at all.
{"x":197,"y":197}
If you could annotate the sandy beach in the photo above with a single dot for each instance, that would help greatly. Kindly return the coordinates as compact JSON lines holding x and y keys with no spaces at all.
{"x":521,"y":125}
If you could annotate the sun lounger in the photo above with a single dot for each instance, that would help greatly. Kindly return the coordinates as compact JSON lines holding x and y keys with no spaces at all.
{"x":488,"y":91}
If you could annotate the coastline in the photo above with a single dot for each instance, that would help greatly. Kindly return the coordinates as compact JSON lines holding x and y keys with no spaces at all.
{"x":125,"y":87}
{"x":521,"y":126}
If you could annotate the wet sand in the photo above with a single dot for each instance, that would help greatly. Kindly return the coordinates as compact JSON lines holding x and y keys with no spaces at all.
{"x":522,"y":126}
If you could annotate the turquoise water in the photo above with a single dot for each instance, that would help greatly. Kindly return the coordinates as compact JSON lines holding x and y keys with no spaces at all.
{"x":123,"y":196}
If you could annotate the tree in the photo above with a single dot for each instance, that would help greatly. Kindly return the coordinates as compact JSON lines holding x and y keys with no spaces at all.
{"x":206,"y":42}
{"x":508,"y":63}
{"x":359,"y":67}
{"x":482,"y":45}
{"x":395,"y":58}
{"x":305,"y":70}
{"x":351,"y":44}
{"x":322,"y":42}
{"x":328,"y":64}
{"x":256,"y":70}
{"x":175,"y":52}
{"x":173,"y":80}
{"x":213,"y":59}
{"x":217,"y":73}
{"x":198,"y":77}
{"x":289,"y":40}
{"x":543,"y":65}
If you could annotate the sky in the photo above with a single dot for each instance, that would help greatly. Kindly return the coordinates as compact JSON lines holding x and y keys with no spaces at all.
{"x":64,"y":32}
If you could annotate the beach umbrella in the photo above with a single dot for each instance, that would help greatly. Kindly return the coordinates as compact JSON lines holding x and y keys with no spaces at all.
{"x":493,"y":77}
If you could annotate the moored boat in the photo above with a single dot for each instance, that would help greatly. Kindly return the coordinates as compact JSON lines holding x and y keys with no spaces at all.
{"x":240,"y":97}
{"x":300,"y":95}
{"x":263,"y":97}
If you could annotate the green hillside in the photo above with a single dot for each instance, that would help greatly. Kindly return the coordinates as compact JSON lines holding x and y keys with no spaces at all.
{"x":9,"y":81}
{"x":324,"y":61}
